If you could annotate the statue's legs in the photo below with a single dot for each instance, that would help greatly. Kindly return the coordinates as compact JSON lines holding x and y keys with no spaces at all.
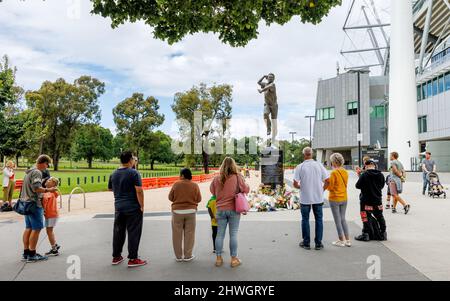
{"x":267,"y":119}
{"x":274,"y":114}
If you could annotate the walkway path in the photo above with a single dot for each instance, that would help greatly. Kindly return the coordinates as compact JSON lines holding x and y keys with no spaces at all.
{"x":417,"y":247}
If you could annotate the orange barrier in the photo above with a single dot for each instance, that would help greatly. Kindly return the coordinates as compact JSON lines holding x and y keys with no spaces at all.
{"x":154,"y":183}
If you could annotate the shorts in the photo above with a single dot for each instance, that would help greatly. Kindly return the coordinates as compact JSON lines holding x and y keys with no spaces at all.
{"x":51,"y":222}
{"x":272,"y":110}
{"x":395,"y":187}
{"x":35,"y":221}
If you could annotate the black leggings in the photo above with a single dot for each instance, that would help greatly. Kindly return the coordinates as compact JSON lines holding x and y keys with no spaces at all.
{"x":214,"y":235}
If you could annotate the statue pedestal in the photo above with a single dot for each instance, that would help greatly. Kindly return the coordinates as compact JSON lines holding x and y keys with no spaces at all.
{"x":272,"y":169}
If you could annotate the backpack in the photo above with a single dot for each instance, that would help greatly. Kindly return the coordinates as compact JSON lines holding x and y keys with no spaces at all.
{"x":6,"y":208}
{"x":374,"y":228}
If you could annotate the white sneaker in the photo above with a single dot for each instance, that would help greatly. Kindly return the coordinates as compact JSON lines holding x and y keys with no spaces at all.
{"x":339,"y":243}
{"x":179,"y":259}
{"x":348,"y":243}
{"x":189,"y":259}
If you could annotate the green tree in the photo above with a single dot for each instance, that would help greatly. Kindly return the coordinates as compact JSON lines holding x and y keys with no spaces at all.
{"x":12,"y":135}
{"x":93,"y":142}
{"x":11,"y":121}
{"x":235,"y":21}
{"x":158,"y":149}
{"x":58,"y":109}
{"x":135,"y":118}
{"x":214,"y":103}
{"x":119,"y":144}
{"x":293,"y":151}
{"x":10,"y":92}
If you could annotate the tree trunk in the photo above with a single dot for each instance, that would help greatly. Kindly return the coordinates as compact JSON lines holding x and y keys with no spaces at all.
{"x":89,"y":163}
{"x":206,"y":162}
{"x":56,"y":162}
{"x":152,"y":165}
{"x":17,"y":160}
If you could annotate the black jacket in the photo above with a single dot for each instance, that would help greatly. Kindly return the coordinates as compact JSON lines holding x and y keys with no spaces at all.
{"x":371,"y":182}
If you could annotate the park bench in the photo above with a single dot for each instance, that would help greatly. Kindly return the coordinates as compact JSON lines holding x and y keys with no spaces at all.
{"x":19,"y":184}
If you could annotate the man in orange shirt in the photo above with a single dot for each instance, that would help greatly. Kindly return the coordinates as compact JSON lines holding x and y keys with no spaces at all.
{"x":50,"y":205}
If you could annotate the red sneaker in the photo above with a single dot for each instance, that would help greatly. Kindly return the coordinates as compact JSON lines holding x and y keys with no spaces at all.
{"x":117,"y":260}
{"x":133,"y":263}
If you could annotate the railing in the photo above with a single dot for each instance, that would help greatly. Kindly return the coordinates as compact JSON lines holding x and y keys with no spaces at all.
{"x":70,"y":197}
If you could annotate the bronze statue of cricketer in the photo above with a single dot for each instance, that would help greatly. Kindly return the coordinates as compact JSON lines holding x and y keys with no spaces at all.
{"x":267,"y":83}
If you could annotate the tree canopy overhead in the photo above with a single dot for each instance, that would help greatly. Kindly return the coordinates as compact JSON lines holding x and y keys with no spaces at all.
{"x":235,"y":21}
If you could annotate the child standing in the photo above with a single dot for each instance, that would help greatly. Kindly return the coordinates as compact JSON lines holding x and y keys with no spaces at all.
{"x":50,"y":205}
{"x":212,"y":210}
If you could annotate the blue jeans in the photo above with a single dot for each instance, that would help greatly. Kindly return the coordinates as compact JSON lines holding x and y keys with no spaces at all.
{"x":318,"y":216}
{"x":225,"y":218}
{"x":426,"y":183}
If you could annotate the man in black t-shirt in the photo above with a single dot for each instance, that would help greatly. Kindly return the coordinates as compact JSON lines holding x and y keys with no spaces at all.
{"x":126,"y":183}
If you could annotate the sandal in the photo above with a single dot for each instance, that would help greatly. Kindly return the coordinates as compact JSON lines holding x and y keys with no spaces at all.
{"x":219,"y":261}
{"x":235,"y":263}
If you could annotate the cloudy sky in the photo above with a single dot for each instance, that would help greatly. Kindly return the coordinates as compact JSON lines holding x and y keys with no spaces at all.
{"x":60,"y":38}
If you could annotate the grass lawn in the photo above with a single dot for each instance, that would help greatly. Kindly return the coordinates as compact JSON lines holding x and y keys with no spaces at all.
{"x":94,"y":180}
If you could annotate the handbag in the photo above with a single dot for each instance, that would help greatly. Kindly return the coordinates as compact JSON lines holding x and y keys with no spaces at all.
{"x":24,"y":207}
{"x":241,"y":202}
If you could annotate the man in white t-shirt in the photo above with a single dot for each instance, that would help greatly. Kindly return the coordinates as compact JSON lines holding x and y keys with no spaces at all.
{"x":311,"y":177}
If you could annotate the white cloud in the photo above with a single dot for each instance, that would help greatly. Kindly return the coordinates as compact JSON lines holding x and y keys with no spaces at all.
{"x":45,"y":42}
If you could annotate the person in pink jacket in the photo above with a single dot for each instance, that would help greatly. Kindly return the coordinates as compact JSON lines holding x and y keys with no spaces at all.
{"x":225,"y":187}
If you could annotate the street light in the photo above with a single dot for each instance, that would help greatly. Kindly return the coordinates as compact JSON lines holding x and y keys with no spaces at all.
{"x":293,"y":135}
{"x":310,"y":128}
{"x":359,"y":137}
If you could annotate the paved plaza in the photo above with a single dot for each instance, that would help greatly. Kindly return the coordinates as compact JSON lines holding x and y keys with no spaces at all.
{"x":268,"y":244}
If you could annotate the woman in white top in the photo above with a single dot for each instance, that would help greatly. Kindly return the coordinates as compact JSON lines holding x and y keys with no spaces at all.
{"x":8,"y":182}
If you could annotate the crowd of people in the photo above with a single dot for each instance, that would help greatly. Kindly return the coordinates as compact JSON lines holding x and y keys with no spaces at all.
{"x":311,"y":177}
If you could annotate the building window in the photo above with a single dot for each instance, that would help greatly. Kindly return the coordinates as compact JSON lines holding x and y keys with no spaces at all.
{"x":419,"y":93}
{"x":435,"y":87}
{"x":325,"y":114}
{"x":429,"y":89}
{"x":441,"y":84}
{"x":424,"y":91}
{"x":352,"y":108}
{"x":378,"y":112}
{"x":423,"y":124}
{"x":447,"y":81}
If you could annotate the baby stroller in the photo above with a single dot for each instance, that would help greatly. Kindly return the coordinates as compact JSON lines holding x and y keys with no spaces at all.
{"x":435,"y":187}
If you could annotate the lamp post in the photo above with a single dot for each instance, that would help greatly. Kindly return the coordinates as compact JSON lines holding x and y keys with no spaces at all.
{"x":310,"y":128}
{"x":293,"y":135}
{"x":359,"y":136}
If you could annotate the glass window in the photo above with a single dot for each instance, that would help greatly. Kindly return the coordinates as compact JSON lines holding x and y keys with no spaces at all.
{"x":441,"y":84}
{"x":447,"y":81}
{"x":429,"y":89}
{"x":424,"y":91}
{"x":332,"y":113}
{"x":326,"y":114}
{"x":319,"y":114}
{"x":352,"y":108}
{"x":423,"y":126}
{"x":380,"y":111}
{"x":419,"y":93}
{"x":435,"y":87}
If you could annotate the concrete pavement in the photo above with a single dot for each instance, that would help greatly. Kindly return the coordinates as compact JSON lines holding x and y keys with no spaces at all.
{"x":417,"y":248}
